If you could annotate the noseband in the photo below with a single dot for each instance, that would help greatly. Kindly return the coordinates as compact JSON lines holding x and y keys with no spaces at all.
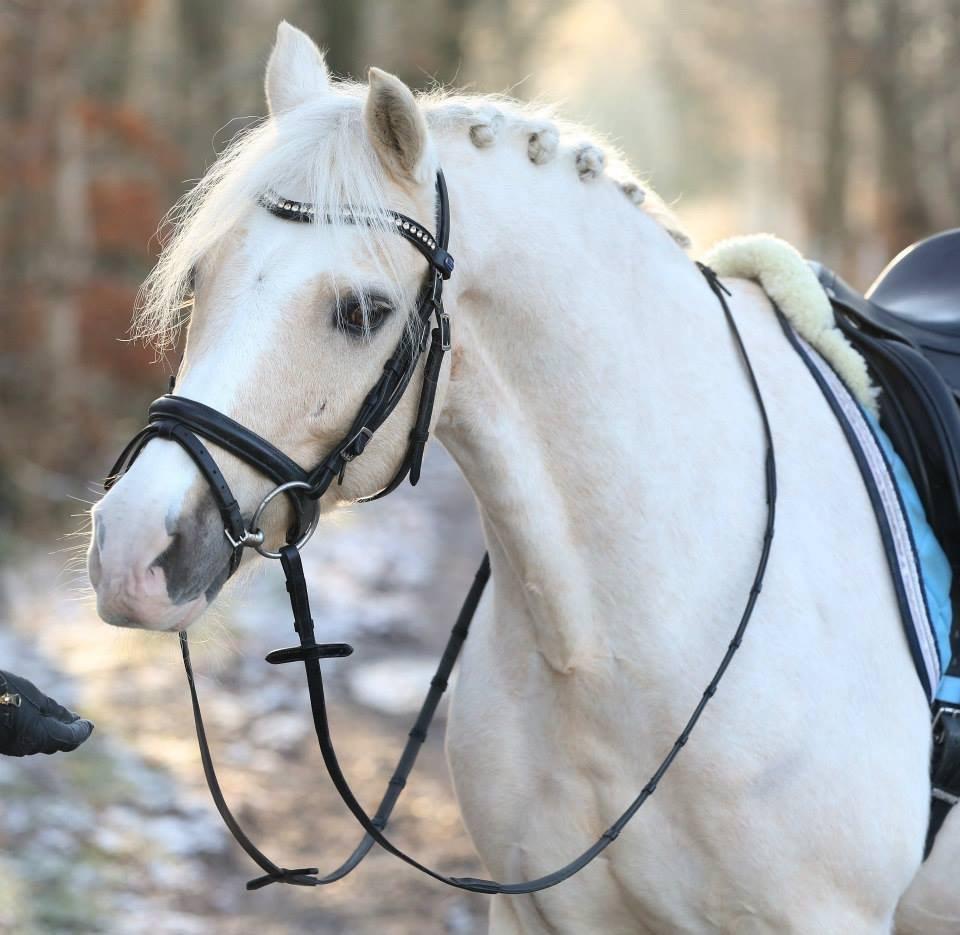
{"x":186,"y":422}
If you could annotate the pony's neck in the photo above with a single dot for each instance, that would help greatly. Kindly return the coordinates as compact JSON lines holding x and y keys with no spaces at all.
{"x":589,"y":395}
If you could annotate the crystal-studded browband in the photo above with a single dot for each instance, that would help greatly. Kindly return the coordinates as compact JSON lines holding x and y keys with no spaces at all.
{"x":305,"y":213}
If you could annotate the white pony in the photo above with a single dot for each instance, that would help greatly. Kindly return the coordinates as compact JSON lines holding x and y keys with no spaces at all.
{"x":596,"y":404}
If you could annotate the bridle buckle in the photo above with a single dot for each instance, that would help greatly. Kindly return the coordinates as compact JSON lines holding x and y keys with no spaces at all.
{"x":443,"y":323}
{"x":347,"y":452}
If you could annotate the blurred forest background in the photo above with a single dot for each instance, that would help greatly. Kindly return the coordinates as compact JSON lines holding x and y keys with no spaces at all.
{"x":832,"y":123}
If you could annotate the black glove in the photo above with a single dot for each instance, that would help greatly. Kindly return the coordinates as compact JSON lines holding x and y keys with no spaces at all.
{"x":30,"y":722}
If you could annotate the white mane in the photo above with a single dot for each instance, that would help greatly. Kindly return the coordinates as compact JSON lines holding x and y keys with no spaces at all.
{"x":320,"y":153}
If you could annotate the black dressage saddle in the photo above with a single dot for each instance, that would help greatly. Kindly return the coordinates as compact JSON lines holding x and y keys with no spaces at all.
{"x":907,"y":327}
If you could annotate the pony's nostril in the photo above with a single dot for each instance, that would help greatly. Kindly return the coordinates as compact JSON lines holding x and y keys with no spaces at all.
{"x":94,"y":553}
{"x":94,"y":566}
{"x":99,"y":530}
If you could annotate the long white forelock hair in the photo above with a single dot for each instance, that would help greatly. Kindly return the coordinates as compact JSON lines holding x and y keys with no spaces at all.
{"x":319,"y":152}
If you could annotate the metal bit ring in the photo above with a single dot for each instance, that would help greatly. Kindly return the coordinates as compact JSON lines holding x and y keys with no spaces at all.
{"x":255,"y":520}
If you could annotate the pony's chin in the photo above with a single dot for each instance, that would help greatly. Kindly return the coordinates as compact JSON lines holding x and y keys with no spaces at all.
{"x":161,"y":617}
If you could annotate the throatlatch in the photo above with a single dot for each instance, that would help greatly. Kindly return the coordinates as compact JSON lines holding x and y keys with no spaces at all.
{"x":186,"y":421}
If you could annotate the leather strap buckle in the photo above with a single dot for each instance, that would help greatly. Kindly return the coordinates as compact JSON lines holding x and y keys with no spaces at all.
{"x":944,"y":711}
{"x":945,"y":774}
{"x":443,"y":322}
{"x":356,"y":444}
{"x":944,"y":771}
{"x":9,"y":698}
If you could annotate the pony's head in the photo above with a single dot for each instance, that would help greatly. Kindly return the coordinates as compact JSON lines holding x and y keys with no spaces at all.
{"x":289,"y":324}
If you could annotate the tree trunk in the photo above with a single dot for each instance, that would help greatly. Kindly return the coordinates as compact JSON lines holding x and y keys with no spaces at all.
{"x":902,"y":215}
{"x":338,"y":26}
{"x":830,"y":224}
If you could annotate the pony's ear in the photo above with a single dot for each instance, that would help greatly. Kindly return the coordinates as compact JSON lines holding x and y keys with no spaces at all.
{"x":296,"y":71}
{"x":397,"y":126}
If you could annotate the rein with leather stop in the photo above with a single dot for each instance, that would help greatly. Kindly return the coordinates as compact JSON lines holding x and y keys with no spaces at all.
{"x":186,"y":421}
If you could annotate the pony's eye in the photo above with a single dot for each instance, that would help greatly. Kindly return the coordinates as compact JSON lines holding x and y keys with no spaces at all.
{"x":350,"y":315}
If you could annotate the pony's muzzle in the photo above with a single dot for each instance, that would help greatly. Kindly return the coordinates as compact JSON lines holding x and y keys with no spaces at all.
{"x":162,"y":578}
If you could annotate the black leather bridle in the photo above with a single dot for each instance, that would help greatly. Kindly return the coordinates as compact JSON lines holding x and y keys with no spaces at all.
{"x":186,"y":421}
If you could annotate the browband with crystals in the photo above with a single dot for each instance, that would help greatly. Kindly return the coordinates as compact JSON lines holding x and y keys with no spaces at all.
{"x":306,"y":213}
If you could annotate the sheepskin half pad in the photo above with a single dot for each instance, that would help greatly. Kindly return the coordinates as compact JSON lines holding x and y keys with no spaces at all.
{"x":785,"y":276}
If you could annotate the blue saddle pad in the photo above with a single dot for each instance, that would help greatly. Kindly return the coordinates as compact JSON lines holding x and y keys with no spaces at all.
{"x":935,"y":571}
{"x":921,"y":571}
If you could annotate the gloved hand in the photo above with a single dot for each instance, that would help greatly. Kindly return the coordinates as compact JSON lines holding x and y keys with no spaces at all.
{"x":30,"y":722}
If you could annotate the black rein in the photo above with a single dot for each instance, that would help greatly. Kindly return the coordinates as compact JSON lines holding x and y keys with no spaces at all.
{"x":186,"y":421}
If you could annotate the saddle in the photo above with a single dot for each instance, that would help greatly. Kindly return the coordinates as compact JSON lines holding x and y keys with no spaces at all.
{"x":907,"y":327}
